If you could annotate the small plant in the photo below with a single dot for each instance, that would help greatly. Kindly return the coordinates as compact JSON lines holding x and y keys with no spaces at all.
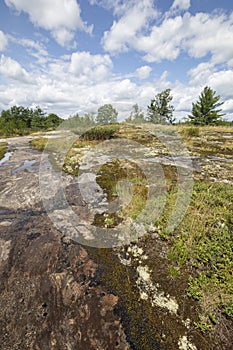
{"x":103,"y":132}
{"x":191,"y":132}
{"x":203,"y":326}
{"x":3,"y":148}
{"x":39,"y":143}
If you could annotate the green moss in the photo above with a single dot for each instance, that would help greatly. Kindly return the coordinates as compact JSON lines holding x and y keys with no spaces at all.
{"x":111,"y":177}
{"x":139,"y":319}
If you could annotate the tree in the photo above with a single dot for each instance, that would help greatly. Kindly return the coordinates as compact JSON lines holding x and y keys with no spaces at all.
{"x":205,"y":111}
{"x":106,"y":114}
{"x":38,"y":119}
{"x":136,"y":115}
{"x":53,"y":121}
{"x":160,"y":111}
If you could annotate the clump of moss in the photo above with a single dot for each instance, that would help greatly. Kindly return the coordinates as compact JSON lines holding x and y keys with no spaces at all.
{"x":111,"y":177}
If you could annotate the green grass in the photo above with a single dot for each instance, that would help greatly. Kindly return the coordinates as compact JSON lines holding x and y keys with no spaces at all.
{"x":3,"y":149}
{"x":204,"y":243}
{"x":39,"y":143}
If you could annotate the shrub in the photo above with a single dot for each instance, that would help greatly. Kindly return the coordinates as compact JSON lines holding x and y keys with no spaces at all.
{"x":191,"y":132}
{"x":104,"y":132}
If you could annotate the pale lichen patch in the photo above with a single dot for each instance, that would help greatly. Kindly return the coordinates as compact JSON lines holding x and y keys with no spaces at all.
{"x":4,"y":249}
{"x":184,"y":344}
{"x":150,"y":291}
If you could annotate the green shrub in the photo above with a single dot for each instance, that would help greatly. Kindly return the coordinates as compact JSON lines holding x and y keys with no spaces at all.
{"x":105,"y":132}
{"x":191,"y":132}
{"x":3,"y":148}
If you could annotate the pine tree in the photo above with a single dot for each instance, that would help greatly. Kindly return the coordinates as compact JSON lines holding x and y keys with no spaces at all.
{"x":205,"y":111}
{"x":160,"y":111}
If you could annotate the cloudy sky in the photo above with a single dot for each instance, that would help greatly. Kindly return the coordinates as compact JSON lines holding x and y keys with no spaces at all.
{"x":71,"y":56}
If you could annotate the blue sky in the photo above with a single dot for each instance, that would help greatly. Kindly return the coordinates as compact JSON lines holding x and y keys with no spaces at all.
{"x":71,"y":56}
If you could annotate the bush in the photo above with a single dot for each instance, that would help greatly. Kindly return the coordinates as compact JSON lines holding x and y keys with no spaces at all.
{"x":191,"y":132}
{"x":105,"y":132}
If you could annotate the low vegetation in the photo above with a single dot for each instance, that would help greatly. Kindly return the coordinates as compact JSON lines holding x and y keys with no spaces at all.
{"x":203,"y":243}
{"x":19,"y":120}
{"x":102,"y":132}
{"x":3,"y":148}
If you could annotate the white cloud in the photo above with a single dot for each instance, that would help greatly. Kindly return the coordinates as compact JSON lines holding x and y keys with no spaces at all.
{"x":119,"y":7}
{"x":3,"y":41}
{"x":124,"y":32}
{"x":181,"y":4}
{"x":143,"y":72}
{"x":81,"y":82}
{"x":201,"y":73}
{"x":62,"y":17}
{"x":174,"y":35}
{"x":91,"y":67}
{"x":34,"y":48}
{"x":13,"y":70}
{"x":222,"y":82}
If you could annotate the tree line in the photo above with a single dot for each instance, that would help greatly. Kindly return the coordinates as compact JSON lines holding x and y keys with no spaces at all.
{"x":19,"y":120}
{"x":205,"y":111}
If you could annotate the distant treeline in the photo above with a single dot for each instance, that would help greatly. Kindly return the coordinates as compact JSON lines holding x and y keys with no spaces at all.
{"x":19,"y":120}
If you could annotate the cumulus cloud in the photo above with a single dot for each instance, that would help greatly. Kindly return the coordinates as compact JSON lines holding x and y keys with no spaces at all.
{"x":62,"y":17}
{"x":3,"y":41}
{"x":181,"y":4}
{"x":174,"y":35}
{"x":201,"y":73}
{"x":91,"y":67}
{"x":13,"y":70}
{"x":124,"y":32}
{"x":143,"y":72}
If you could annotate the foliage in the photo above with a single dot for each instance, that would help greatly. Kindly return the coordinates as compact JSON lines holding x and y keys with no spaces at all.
{"x":102,"y":132}
{"x":191,"y":132}
{"x":204,"y":111}
{"x":3,"y":148}
{"x":20,"y":120}
{"x":106,"y":114}
{"x":204,"y":241}
{"x":160,"y":111}
{"x":39,"y":143}
{"x":136,"y":115}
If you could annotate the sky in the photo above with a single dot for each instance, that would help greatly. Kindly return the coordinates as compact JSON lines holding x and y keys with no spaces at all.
{"x":69,"y":56}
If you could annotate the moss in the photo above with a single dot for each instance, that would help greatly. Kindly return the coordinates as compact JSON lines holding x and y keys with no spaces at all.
{"x":111,"y":178}
{"x":138,"y":317}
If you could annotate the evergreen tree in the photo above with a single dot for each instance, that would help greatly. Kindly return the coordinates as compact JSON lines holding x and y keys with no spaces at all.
{"x":205,"y":111}
{"x":160,"y":110}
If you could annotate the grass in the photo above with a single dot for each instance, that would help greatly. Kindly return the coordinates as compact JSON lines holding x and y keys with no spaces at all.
{"x":191,"y":132}
{"x":3,"y":149}
{"x":39,"y":143}
{"x":204,"y":243}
